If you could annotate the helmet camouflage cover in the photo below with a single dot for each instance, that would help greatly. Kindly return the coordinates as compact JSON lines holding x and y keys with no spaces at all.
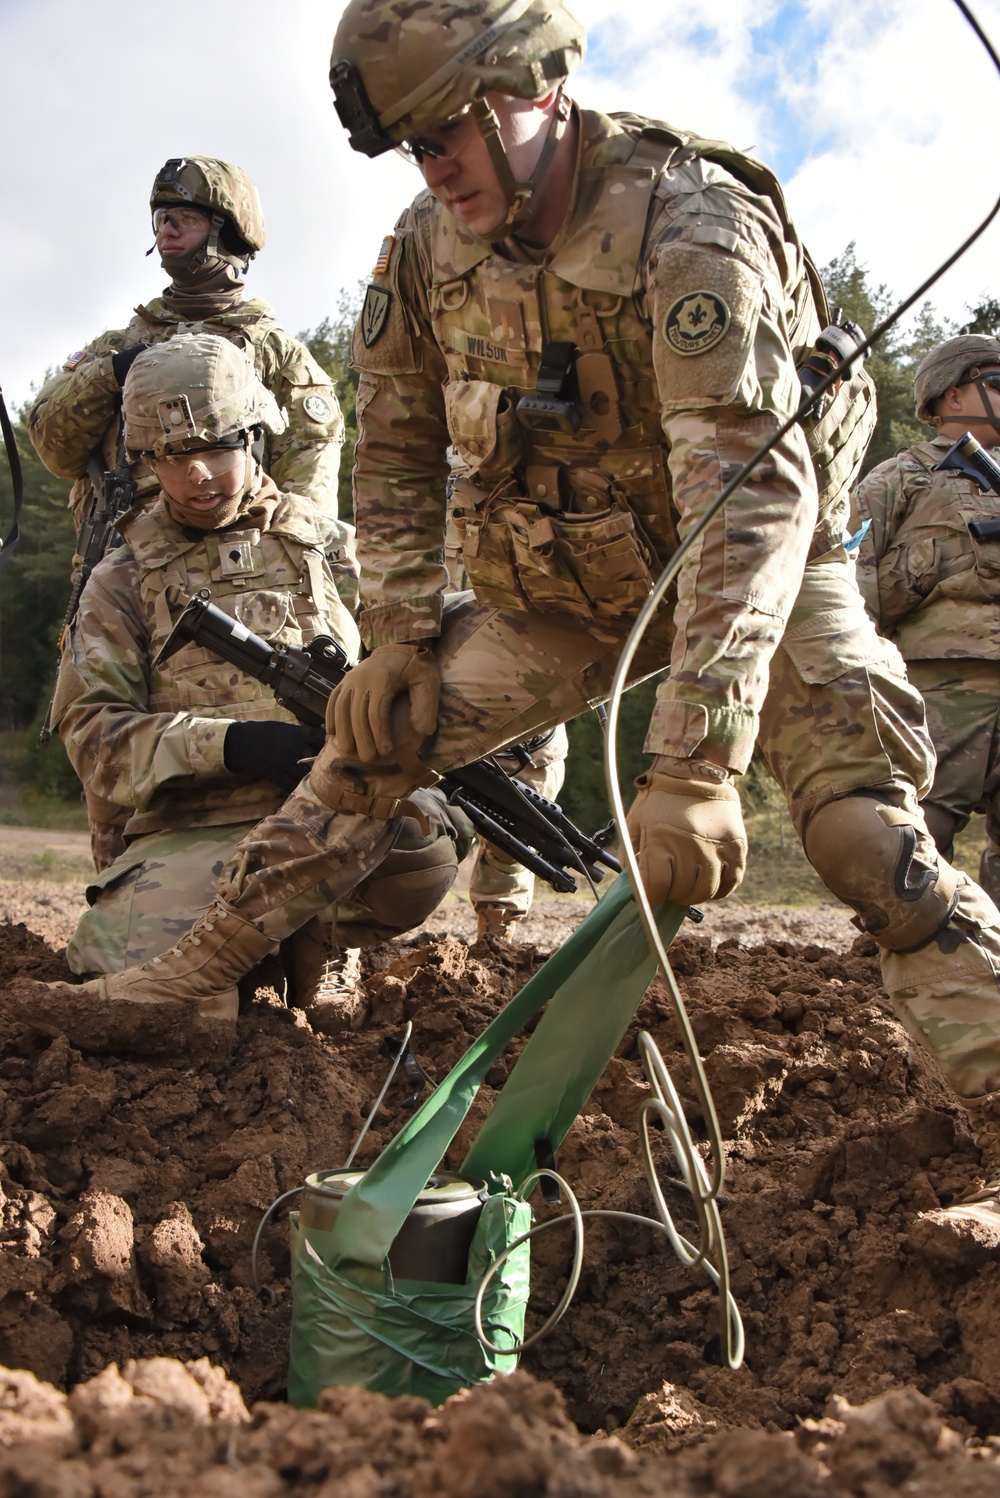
{"x":948,"y":365}
{"x":194,"y":387}
{"x":398,"y":70}
{"x":218,"y":187}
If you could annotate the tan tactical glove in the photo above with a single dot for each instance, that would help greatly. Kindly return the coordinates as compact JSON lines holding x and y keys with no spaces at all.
{"x":359,"y":712}
{"x":686,"y":825}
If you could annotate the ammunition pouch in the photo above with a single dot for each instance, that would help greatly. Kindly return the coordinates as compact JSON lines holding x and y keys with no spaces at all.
{"x":523,"y":555}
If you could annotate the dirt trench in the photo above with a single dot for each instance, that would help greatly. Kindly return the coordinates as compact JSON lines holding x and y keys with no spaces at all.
{"x":131,"y":1193}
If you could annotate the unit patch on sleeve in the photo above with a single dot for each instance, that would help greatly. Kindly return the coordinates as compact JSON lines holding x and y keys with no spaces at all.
{"x":316,"y":407}
{"x":374,"y":314}
{"x":384,"y":256}
{"x":696,"y":322}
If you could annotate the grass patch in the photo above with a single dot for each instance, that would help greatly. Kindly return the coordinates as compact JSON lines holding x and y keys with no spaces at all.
{"x":27,"y":808}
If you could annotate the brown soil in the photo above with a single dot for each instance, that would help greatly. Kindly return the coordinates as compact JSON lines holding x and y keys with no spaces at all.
{"x":131,"y":1193}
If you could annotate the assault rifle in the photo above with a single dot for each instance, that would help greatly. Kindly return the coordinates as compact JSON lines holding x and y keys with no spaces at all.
{"x":513,"y":817}
{"x":114,"y":491}
{"x":969,"y":457}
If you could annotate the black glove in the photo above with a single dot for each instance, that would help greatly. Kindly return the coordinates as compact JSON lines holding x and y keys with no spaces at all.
{"x":271,"y":751}
{"x":122,"y":362}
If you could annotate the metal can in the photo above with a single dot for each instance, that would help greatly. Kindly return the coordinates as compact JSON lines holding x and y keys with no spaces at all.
{"x":433,"y":1243}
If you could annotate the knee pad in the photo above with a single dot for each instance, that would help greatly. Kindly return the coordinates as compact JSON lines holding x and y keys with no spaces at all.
{"x":419,"y":869}
{"x":880,"y":860}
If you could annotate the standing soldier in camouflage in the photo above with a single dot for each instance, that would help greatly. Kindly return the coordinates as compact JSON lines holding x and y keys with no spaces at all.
{"x":193,"y":752}
{"x":604,"y":316}
{"x":934,"y":590}
{"x":208,"y":225}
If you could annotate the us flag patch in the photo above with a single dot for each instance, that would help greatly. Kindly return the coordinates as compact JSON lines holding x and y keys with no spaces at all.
{"x":75,"y":359}
{"x":384,"y":256}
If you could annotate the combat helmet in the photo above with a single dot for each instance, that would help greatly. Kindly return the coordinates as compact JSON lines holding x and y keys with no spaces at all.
{"x":194,"y":387}
{"x":227,"y":195}
{"x":399,"y":71}
{"x":954,"y":362}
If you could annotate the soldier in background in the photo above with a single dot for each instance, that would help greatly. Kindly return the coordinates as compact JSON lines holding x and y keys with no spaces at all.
{"x":934,"y":590}
{"x":208,"y":224}
{"x":194,"y":752}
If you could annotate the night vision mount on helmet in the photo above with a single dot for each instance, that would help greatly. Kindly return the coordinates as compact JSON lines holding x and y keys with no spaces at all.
{"x":225,"y":193}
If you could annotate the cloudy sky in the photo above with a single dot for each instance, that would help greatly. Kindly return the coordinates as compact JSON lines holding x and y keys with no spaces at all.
{"x":880,"y":116}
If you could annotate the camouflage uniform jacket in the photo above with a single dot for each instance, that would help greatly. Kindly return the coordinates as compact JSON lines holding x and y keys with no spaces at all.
{"x":77,"y":410}
{"x":926,"y":583}
{"x":151,"y":737}
{"x":686,"y":292}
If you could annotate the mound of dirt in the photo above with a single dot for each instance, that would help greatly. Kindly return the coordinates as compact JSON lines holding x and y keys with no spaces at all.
{"x":131,"y":1193}
{"x":160,"y":1427}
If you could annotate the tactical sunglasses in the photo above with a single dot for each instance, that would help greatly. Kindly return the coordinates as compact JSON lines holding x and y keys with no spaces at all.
{"x":991,"y":381}
{"x":418,"y":147}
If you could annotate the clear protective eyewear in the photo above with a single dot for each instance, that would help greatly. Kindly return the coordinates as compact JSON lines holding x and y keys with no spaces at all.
{"x":215,"y":459}
{"x":420,"y":147}
{"x":181,"y":218}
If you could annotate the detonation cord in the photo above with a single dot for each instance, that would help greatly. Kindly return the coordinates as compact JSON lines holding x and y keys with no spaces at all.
{"x":665,"y":1105}
{"x":705,"y":1192}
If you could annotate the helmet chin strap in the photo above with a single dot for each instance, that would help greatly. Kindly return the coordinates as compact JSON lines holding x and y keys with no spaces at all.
{"x":518,"y":194}
{"x":206,"y":251}
{"x":990,"y":419}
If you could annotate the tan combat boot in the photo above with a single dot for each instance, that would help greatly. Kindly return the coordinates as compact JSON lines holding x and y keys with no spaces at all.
{"x":968,"y":1232}
{"x":494,"y":920}
{"x":326,"y":978}
{"x":182,"y":1002}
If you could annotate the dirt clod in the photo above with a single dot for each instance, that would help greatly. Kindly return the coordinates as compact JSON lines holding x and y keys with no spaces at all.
{"x":131,"y":1190}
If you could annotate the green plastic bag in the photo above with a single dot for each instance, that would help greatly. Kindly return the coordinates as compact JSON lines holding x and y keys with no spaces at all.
{"x":398,"y":1336}
{"x":351,"y":1322}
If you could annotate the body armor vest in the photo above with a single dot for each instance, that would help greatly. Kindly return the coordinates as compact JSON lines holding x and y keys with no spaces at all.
{"x":277,"y":583}
{"x":582,"y":521}
{"x":944,"y":569}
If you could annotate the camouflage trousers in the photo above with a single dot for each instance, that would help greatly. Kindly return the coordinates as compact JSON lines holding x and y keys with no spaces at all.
{"x":497,"y":882}
{"x":839,"y":718}
{"x":140,"y":904}
{"x":162,"y":883}
{"x":962,"y":700}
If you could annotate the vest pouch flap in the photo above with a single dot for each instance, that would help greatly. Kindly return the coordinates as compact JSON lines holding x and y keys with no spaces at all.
{"x":595,"y":566}
{"x":483,"y":426}
{"x":489,"y":563}
{"x":199,"y":679}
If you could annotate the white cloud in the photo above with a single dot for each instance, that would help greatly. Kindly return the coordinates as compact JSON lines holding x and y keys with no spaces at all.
{"x":894,"y":116}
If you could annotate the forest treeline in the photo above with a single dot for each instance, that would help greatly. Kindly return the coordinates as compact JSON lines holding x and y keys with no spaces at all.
{"x":34,"y":582}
